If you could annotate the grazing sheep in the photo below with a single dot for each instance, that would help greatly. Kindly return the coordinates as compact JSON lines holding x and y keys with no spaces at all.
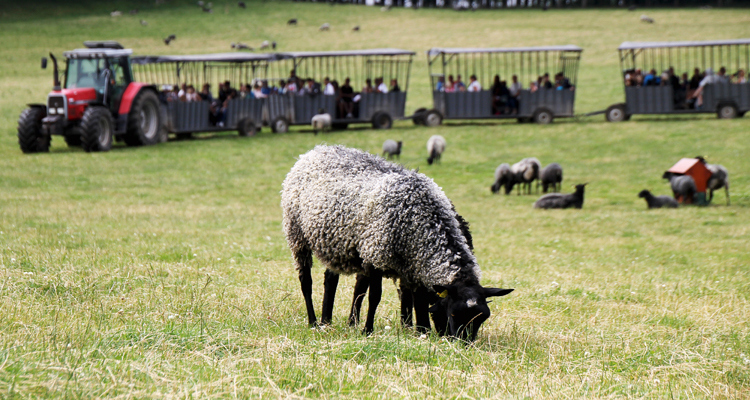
{"x":683,"y":187}
{"x":292,"y":21}
{"x":265,"y":45}
{"x":143,"y":22}
{"x":201,"y":3}
{"x":392,"y":148}
{"x":321,"y":121}
{"x":241,"y":46}
{"x":273,"y":45}
{"x":552,"y":174}
{"x":169,"y":39}
{"x":559,"y":200}
{"x":524,"y":173}
{"x":503,"y":176}
{"x":241,"y":4}
{"x":356,"y":28}
{"x":115,"y":13}
{"x":719,"y":178}
{"x":658,"y":201}
{"x":325,"y":27}
{"x":646,"y":19}
{"x":435,"y":147}
{"x":360,"y":214}
{"x":385,"y":8}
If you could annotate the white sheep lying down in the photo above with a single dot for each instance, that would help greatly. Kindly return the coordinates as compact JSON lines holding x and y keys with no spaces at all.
{"x":360,"y":214}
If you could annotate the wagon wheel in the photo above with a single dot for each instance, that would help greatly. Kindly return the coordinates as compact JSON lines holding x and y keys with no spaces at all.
{"x":433,"y":118}
{"x":616,"y":113}
{"x":727,"y":111}
{"x":246,"y":127}
{"x":543,"y":116}
{"x":381,"y":120}
{"x":280,"y":125}
{"x":419,"y":115}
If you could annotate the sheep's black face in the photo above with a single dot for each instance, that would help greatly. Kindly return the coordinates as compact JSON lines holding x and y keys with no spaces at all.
{"x":463,"y":309}
{"x":643,"y":193}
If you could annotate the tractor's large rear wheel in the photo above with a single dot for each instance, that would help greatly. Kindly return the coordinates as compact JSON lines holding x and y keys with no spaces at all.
{"x":97,"y":129}
{"x":30,"y":135}
{"x":144,"y":123}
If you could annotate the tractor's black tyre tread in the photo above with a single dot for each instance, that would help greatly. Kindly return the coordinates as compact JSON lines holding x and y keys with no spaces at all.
{"x":30,"y":136}
{"x":135,"y":136}
{"x":90,"y":129}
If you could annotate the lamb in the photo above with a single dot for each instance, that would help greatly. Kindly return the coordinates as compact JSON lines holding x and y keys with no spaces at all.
{"x":325,"y":27}
{"x":524,"y":173}
{"x":392,"y":148}
{"x":683,"y":186}
{"x":719,"y":178}
{"x":503,"y":176}
{"x":559,"y":200}
{"x":435,"y":147}
{"x":552,"y":174}
{"x":322,"y":121}
{"x":360,"y":214}
{"x":658,"y":201}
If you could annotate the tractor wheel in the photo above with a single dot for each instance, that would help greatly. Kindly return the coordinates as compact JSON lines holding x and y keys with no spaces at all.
{"x":144,"y":125}
{"x":280,"y":125}
{"x":381,"y":120}
{"x":419,"y":115}
{"x":30,"y":135}
{"x":727,"y":111}
{"x":543,"y":116}
{"x":96,"y":129}
{"x":246,"y":127}
{"x":616,"y":113}
{"x":73,"y":137}
{"x":432,"y":118}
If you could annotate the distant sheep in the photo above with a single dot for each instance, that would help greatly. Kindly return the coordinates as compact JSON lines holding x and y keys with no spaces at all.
{"x":360,"y":214}
{"x":524,"y":173}
{"x":321,"y":121}
{"x":265,"y":45}
{"x":325,"y":27}
{"x":559,"y":200}
{"x":683,"y":187}
{"x":658,"y":201}
{"x":503,"y":176}
{"x":392,"y":148}
{"x":551,"y":175}
{"x":435,"y":148}
{"x":646,"y":19}
{"x":719,"y":178}
{"x":292,"y":21}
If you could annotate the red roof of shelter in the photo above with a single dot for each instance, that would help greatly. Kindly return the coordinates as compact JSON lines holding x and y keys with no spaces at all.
{"x":684,"y":165}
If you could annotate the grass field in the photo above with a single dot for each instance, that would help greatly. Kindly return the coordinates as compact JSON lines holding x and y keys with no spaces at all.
{"x":163,"y":271}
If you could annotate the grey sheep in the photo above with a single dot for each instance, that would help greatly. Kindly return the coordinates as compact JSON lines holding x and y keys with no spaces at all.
{"x":435,"y":148}
{"x":325,"y":27}
{"x":658,"y":201}
{"x":719,"y":179}
{"x":683,"y":186}
{"x":392,"y":148}
{"x":360,"y":214}
{"x":646,"y":19}
{"x":551,"y":175}
{"x":503,"y":176}
{"x":524,"y":173}
{"x":559,"y":200}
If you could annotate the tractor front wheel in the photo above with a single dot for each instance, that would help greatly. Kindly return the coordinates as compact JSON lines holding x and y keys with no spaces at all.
{"x":96,"y":129}
{"x":144,"y":123}
{"x":30,"y":135}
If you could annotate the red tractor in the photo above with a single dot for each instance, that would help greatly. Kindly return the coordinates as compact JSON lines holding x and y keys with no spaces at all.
{"x":98,"y":104}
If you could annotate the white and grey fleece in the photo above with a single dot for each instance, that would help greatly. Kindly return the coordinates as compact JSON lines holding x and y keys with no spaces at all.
{"x":357,"y":211}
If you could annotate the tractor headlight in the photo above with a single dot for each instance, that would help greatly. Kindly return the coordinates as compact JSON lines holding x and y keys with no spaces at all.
{"x":52,"y":111}
{"x":60,"y":110}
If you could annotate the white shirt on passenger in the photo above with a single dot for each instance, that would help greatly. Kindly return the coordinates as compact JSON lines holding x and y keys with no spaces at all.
{"x":514,"y":88}
{"x":475,"y":87}
{"x":383,"y":88}
{"x":329,"y":90}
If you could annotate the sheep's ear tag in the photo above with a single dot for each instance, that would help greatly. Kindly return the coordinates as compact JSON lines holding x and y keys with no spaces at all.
{"x":443,"y":294}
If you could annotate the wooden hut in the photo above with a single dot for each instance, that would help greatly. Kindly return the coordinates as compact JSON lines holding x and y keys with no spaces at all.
{"x":695,"y":168}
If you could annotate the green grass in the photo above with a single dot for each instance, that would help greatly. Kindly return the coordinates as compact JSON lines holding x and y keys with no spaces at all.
{"x":163,"y":271}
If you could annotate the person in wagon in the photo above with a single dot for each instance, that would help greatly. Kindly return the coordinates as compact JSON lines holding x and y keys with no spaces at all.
{"x":459,"y":86}
{"x":451,"y":87}
{"x":328,"y":90}
{"x":440,"y":87}
{"x":515,"y":91}
{"x":739,"y":77}
{"x":346,"y":101}
{"x":382,"y":87}
{"x":206,"y":93}
{"x":474,"y":85}
{"x":368,"y":87}
{"x":394,"y":86}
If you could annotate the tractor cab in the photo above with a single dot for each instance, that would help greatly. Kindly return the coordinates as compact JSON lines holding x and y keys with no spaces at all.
{"x":98,"y":103}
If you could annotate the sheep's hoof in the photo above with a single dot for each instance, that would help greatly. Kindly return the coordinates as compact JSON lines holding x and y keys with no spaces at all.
{"x":367,"y":331}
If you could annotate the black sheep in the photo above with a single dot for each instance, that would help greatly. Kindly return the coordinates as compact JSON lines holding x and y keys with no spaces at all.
{"x":658,"y":201}
{"x":683,"y":186}
{"x":559,"y":200}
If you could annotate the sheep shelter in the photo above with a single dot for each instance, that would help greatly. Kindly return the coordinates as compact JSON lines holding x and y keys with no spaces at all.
{"x":696,"y":169}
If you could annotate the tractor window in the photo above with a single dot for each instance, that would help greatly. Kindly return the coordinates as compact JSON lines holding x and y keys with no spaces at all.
{"x":85,"y":73}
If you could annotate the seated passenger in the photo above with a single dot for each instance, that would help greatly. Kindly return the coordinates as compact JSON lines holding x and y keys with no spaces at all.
{"x":264,"y":88}
{"x":224,"y":91}
{"x":514,"y":90}
{"x":674,"y":80}
{"x":696,"y":79}
{"x":282,"y":87}
{"x":739,"y":77}
{"x":206,"y":93}
{"x":474,"y":85}
{"x":328,"y":87}
{"x":459,"y":86}
{"x":172,"y":96}
{"x":451,"y":87}
{"x":533,"y":87}
{"x":380,"y":86}
{"x":258,"y":91}
{"x":722,"y":76}
{"x":651,"y":79}
{"x":244,"y":91}
{"x":291,"y":85}
{"x":222,"y":114}
{"x":183,"y":90}
{"x":368,"y":86}
{"x":191,"y":95}
{"x":496,"y":89}
{"x":346,"y":101}
{"x":394,"y":86}
{"x":440,"y":87}
{"x":546,"y":83}
{"x":710,"y":78}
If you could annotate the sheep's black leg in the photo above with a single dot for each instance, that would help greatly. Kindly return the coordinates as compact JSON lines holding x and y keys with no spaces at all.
{"x":304,"y":264}
{"x":330,"y":284}
{"x":360,"y":288}
{"x":407,"y":303}
{"x":421,"y":310}
{"x":376,"y":290}
{"x":726,"y":190}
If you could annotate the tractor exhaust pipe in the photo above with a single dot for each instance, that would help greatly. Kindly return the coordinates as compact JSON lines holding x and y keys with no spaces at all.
{"x":56,"y":75}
